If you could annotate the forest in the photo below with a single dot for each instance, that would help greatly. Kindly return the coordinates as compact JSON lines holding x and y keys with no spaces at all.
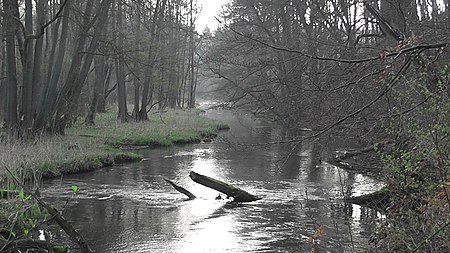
{"x":375,"y":73}
{"x":64,"y":56}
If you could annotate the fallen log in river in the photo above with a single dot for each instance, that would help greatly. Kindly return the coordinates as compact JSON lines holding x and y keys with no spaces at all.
{"x":236,"y":193}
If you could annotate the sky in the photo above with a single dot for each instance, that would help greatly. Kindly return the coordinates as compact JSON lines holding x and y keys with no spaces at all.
{"x":210,"y":8}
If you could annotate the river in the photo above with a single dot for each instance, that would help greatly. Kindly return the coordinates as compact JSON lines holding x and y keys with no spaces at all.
{"x":130,"y":208}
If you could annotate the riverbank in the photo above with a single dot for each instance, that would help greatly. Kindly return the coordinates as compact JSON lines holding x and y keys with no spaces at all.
{"x":86,"y":148}
{"x":83,"y":148}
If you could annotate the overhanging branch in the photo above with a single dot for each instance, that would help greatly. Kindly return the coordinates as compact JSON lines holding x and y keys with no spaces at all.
{"x":420,"y":48}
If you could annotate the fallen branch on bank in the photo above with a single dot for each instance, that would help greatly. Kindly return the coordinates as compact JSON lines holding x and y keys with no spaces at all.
{"x":236,"y":193}
{"x":364,"y":159}
{"x":350,"y":154}
{"x":378,"y":200}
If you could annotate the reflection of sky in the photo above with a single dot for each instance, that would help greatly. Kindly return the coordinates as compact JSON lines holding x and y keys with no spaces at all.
{"x":211,"y":235}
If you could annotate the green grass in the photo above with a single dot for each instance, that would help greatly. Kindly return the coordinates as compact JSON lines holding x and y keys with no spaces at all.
{"x":52,"y":156}
{"x":86,"y":148}
{"x":162,"y":129}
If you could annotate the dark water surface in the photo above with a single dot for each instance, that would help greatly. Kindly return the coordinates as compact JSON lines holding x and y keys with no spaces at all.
{"x":130,"y":208}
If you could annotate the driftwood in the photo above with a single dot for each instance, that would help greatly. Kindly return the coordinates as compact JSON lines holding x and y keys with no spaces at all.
{"x":368,"y":149}
{"x":378,"y":200}
{"x":181,"y":189}
{"x":350,"y":154}
{"x":348,"y":159}
{"x":227,"y":189}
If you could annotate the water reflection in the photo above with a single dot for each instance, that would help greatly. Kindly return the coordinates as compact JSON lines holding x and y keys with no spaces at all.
{"x":130,"y":208}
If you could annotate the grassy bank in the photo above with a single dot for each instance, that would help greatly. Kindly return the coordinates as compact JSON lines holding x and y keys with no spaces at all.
{"x":84,"y":148}
{"x":162,"y":129}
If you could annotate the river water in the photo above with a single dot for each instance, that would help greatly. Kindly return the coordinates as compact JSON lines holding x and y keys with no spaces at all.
{"x":130,"y":208}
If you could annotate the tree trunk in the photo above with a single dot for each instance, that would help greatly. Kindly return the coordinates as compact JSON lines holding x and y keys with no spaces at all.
{"x":121,"y":89}
{"x":9,"y":30}
{"x":101,"y":104}
{"x":137,"y":72}
{"x":26,"y":114}
{"x":191,"y":95}
{"x":2,"y":75}
{"x":151,"y":55}
{"x":49,"y":92}
{"x":100,"y":77}
{"x":37,"y":64}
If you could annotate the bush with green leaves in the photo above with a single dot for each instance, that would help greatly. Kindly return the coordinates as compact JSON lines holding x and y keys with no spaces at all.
{"x":418,"y":175}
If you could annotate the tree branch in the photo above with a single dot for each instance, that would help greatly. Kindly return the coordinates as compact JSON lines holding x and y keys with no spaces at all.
{"x":349,"y":61}
{"x":384,"y":24}
{"x":42,"y":28}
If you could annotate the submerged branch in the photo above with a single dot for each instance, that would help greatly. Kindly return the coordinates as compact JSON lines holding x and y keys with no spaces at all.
{"x":181,"y":189}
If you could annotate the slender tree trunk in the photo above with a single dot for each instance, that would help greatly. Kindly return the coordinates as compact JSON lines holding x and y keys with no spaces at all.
{"x":172,"y":58}
{"x":122,"y":95}
{"x":184,"y":66}
{"x":191,"y":101}
{"x":2,"y":74}
{"x":9,"y":30}
{"x":100,"y":78}
{"x":137,"y":72}
{"x":148,"y":85}
{"x":101,"y":104}
{"x":26,"y":113}
{"x":38,"y":54}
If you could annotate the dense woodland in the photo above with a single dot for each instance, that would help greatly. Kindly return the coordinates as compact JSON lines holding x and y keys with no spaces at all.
{"x":64,"y":59}
{"x":377,"y":71}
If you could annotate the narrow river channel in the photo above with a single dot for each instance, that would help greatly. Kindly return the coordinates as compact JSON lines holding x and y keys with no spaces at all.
{"x":130,"y":208}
